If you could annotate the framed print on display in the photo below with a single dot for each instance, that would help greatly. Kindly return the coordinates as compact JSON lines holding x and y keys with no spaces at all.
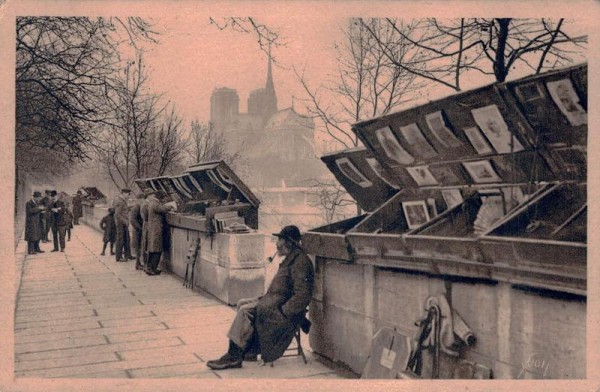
{"x":478,"y":141}
{"x":415,"y":213}
{"x":392,"y":147}
{"x":482,"y":172}
{"x":414,"y":137}
{"x":452,"y":197}
{"x":494,"y":127}
{"x":437,"y":125}
{"x":564,"y":96}
{"x":379,"y":171}
{"x":422,"y":175}
{"x":351,"y":172}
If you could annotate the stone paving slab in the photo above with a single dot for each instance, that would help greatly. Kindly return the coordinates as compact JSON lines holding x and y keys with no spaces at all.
{"x":79,"y":314}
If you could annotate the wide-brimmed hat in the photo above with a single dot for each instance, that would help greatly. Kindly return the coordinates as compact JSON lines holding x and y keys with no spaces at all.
{"x":53,"y":193}
{"x":290,"y":233}
{"x":37,"y":194}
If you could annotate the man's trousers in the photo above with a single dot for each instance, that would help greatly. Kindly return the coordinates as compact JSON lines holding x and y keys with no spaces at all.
{"x":122,"y":242}
{"x":242,"y":331}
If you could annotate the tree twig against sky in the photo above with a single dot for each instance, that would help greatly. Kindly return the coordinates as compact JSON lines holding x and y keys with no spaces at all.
{"x":330,"y":197}
{"x":65,"y":68}
{"x":445,"y":50}
{"x":266,"y":36}
{"x":366,"y":84}
{"x":145,"y":138}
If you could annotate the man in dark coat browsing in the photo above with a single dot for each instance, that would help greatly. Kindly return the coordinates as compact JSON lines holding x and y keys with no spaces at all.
{"x":59,"y":222}
{"x":269,"y":322}
{"x":33,"y":224}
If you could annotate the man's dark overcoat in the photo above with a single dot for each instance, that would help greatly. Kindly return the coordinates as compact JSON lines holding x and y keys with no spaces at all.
{"x":282,"y":308}
{"x":33,"y":221}
{"x":77,"y":207}
{"x":156,"y":223}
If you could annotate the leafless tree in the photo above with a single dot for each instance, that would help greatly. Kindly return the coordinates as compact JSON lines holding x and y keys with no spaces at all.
{"x":170,"y":145}
{"x":64,"y":69}
{"x":205,"y":144}
{"x":447,"y":49}
{"x":365,"y":84}
{"x":146,"y":138}
{"x":329,"y":197}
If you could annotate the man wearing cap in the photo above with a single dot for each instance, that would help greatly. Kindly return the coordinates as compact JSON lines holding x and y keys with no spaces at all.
{"x":268,"y":324}
{"x":33,"y":224}
{"x":155,"y":235}
{"x":135,"y":220}
{"x":122,"y":224}
{"x":59,"y":222}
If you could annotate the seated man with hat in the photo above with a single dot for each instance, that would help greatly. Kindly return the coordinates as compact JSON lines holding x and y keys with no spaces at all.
{"x":268,"y":324}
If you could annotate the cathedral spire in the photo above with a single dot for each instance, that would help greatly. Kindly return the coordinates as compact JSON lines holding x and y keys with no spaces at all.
{"x":270,"y":96}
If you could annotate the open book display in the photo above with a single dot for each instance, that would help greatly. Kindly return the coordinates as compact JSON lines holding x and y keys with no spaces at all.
{"x":209,"y":197}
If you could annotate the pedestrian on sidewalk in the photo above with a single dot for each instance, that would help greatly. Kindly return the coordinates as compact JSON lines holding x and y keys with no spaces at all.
{"x":69,"y":218}
{"x":157,"y":208}
{"x":59,"y":222}
{"x":135,"y":220}
{"x":77,"y":207}
{"x":144,"y":214}
{"x":122,"y":244}
{"x":268,"y":324}
{"x":33,"y":223}
{"x":107,"y":224}
{"x":46,"y":202}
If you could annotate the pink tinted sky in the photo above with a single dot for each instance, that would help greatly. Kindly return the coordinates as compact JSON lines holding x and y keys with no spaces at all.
{"x":193,"y":57}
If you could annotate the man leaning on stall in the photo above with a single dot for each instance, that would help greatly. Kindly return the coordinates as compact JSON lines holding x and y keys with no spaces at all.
{"x":268,"y":324}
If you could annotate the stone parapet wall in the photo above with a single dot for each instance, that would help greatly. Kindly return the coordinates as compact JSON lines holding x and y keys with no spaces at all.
{"x":516,"y":328}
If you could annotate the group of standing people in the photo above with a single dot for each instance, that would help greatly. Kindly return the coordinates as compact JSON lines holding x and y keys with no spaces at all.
{"x":146,"y":216}
{"x":50,"y":212}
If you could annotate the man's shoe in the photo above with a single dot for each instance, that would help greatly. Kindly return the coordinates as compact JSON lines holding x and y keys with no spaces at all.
{"x":62,"y":250}
{"x":54,"y":250}
{"x":30,"y":253}
{"x":39,"y":251}
{"x":151,"y":273}
{"x":102,"y":254}
{"x":112,"y":253}
{"x":225,"y":362}
{"x":251,"y":357}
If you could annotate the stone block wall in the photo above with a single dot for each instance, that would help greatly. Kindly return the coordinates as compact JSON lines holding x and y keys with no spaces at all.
{"x":520,"y":333}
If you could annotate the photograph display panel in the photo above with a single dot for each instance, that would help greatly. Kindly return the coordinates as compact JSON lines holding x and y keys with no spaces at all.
{"x":452,"y":197}
{"x":419,"y":145}
{"x":564,"y":96}
{"x":352,"y":173}
{"x":378,"y":169}
{"x":437,"y":126}
{"x":392,"y":148}
{"x":482,"y":172}
{"x":478,"y":141}
{"x":422,"y":175}
{"x":416,"y":213}
{"x":490,"y":121}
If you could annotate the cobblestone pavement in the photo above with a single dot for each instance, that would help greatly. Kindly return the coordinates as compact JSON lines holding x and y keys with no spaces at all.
{"x":82,"y":315}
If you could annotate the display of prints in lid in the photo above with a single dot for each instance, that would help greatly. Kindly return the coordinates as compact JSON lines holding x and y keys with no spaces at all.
{"x":415,"y":213}
{"x":564,"y":96}
{"x":361,"y":176}
{"x":440,"y":130}
{"x":216,"y":182}
{"x":390,"y":146}
{"x":422,"y":175}
{"x":482,"y":172}
{"x":539,"y":99}
{"x":419,"y":146}
{"x":494,"y":127}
